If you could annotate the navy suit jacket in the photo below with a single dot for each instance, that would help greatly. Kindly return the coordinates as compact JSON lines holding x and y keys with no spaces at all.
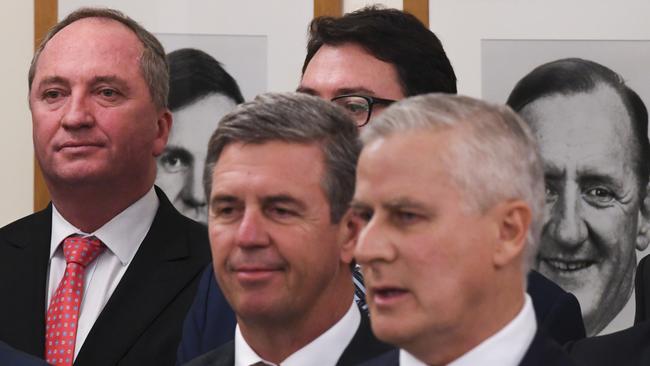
{"x":12,"y":357}
{"x":628,"y":347}
{"x":542,"y":351}
{"x":363,"y":346}
{"x":211,"y":322}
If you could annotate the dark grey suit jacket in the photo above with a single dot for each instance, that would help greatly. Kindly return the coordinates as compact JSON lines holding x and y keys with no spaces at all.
{"x":363,"y":346}
{"x":141,"y":323}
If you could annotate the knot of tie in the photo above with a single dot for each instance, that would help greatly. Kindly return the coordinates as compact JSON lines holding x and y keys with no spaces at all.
{"x":81,"y":250}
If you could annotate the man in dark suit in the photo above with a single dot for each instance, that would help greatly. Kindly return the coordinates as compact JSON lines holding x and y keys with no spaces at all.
{"x":344,"y":59}
{"x":106,"y":273}
{"x":450,"y":191}
{"x":279,"y":175}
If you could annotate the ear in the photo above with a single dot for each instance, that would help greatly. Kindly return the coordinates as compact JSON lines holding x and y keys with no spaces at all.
{"x":349,"y":229}
{"x":513,"y":220}
{"x":643,"y":224}
{"x":163,"y":127}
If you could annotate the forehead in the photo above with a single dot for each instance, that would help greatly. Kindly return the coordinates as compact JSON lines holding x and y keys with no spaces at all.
{"x":340,"y":69}
{"x":91,"y":43}
{"x":194,"y":123}
{"x":269,"y":168}
{"x":413,"y":164}
{"x":590,"y":128}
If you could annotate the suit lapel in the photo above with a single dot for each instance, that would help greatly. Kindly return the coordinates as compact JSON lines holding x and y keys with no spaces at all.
{"x":24,"y":252}
{"x":160,"y":270}
{"x":363,"y":346}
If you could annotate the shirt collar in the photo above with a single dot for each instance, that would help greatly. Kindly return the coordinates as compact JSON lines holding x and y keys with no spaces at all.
{"x":506,"y":347}
{"x":119,"y":234}
{"x":327,"y":348}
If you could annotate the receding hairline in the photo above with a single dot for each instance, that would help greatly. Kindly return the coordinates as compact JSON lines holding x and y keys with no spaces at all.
{"x":93,"y":19}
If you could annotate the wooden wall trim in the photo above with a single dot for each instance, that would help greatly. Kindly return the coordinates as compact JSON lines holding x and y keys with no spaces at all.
{"x":332,"y":8}
{"x":45,"y":16}
{"x":419,"y":8}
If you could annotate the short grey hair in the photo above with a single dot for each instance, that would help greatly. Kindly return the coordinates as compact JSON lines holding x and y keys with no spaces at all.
{"x":295,"y":118}
{"x":496,"y":159}
{"x":153,"y":63}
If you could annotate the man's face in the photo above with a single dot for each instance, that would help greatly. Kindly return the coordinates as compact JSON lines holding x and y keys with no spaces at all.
{"x":180,"y":167}
{"x":592,"y":199}
{"x":349,"y":69}
{"x":425,"y":256}
{"x":276,"y":254}
{"x":92,"y":113}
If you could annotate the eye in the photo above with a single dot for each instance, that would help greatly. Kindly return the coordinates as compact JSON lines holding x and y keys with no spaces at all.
{"x":109,"y":94}
{"x":365,"y":215}
{"x":599,"y":195}
{"x":550,"y":194}
{"x":280,"y":212}
{"x":403,"y":217}
{"x":224,"y":211}
{"x":52,"y":95}
{"x":175,"y":161}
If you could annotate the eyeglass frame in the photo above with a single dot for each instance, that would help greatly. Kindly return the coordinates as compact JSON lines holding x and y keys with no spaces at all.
{"x":370,"y":100}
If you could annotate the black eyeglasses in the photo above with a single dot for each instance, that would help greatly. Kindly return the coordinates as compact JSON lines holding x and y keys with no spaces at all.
{"x":359,"y":107}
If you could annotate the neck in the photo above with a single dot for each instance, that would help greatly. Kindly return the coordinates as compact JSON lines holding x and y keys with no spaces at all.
{"x":276,"y":339}
{"x":90,"y":207}
{"x":501,"y":306}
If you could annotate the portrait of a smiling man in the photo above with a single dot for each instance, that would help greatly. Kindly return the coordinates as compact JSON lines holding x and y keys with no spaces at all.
{"x":593,"y":135}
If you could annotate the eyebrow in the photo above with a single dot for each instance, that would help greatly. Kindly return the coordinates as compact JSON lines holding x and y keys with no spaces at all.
{"x":179,"y":150}
{"x":111,"y":79}
{"x":342,"y":91}
{"x":584,"y":175}
{"x":49,"y":80}
{"x":284,"y":198}
{"x":404,"y":202}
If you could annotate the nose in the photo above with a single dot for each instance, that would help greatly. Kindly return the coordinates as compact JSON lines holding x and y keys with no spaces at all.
{"x":192,"y":193}
{"x":374,"y":244}
{"x":78,"y":113}
{"x":251,"y":232}
{"x":566,"y":224}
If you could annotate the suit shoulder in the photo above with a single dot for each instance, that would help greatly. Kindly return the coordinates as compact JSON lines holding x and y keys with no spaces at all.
{"x":27,"y":225}
{"x":222,"y":356}
{"x":627,"y":347}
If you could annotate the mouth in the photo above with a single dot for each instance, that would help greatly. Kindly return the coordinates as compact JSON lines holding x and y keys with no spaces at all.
{"x":387,"y":295}
{"x":568,"y":265}
{"x":78,"y":145}
{"x":255,"y":274}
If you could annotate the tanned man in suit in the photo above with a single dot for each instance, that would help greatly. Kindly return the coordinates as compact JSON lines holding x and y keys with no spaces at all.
{"x":349,"y":64}
{"x":451,"y":193}
{"x":279,"y":177}
{"x":105,"y":274}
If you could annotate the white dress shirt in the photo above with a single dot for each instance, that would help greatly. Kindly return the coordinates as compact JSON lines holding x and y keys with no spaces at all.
{"x":122,"y":237}
{"x":506,"y":347}
{"x":323,"y":351}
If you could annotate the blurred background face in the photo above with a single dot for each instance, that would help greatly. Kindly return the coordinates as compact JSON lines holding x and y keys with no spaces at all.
{"x":592,"y":199}
{"x":423,"y":254}
{"x":180,"y":167}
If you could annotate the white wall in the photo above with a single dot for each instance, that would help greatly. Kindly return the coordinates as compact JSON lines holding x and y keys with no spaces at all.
{"x":352,"y":5}
{"x":283,"y":22}
{"x":16,"y":154}
{"x":461,"y":24}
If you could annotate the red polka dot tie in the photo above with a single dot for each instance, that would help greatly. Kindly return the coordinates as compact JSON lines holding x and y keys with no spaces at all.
{"x":63,"y":313}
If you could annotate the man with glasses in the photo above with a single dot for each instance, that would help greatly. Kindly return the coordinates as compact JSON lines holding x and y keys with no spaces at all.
{"x":370,"y":58}
{"x":364,"y":61}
